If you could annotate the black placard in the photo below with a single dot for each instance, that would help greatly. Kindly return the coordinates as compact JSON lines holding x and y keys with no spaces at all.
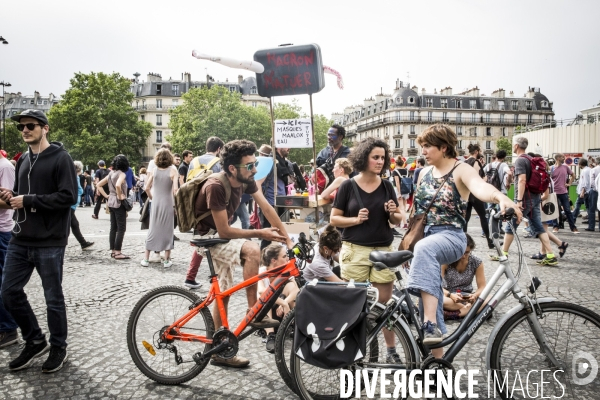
{"x":290,"y":70}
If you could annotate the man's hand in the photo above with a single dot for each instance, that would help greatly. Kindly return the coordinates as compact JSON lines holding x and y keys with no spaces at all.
{"x":16,"y":202}
{"x":272,"y":235}
{"x":6,"y":194}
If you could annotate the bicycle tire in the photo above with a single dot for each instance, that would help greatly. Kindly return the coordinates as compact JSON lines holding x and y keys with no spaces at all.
{"x":515,"y":341}
{"x":169,"y":372}
{"x":283,"y":348}
{"x":376,"y":353}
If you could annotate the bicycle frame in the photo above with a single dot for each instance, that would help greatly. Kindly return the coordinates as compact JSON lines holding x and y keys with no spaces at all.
{"x":281,"y":275}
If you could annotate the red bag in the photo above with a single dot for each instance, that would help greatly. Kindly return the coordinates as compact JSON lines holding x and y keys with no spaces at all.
{"x":254,"y":218}
{"x":539,"y":180}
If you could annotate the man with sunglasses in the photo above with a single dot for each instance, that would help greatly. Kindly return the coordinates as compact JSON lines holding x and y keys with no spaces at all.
{"x":239,"y":166}
{"x":45,"y":188}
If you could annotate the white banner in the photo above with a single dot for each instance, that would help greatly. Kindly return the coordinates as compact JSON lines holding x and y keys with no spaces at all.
{"x":293,"y":133}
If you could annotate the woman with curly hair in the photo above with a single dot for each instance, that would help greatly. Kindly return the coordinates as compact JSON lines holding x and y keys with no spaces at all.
{"x":162,"y":214}
{"x":365,"y":206}
{"x":117,"y":186}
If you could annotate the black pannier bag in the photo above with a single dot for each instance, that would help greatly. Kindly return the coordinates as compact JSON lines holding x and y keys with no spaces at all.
{"x":331,"y":325}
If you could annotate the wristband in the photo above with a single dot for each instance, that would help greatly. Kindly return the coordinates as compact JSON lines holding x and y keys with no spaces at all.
{"x":519,"y":201}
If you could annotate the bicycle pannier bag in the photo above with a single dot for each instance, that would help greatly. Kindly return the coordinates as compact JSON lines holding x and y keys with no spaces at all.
{"x":331,"y":328}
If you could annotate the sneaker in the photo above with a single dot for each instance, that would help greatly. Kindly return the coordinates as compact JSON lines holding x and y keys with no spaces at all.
{"x":29,"y":353}
{"x":168,"y":263}
{"x":234,"y":362}
{"x":575,"y":231}
{"x":154,"y":257}
{"x":495,"y":257}
{"x":270,"y":343}
{"x":431,"y":333}
{"x":94,"y":216}
{"x":538,"y":256}
{"x":55,"y":360}
{"x":87,"y":245}
{"x":548,"y":261}
{"x":192,"y":284}
{"x":393,"y":358}
{"x":8,"y":338}
{"x":144,"y":263}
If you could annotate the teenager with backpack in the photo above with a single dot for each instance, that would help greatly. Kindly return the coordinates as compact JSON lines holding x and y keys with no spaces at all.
{"x":474,"y":202}
{"x":530,"y":178}
{"x":498,"y":173}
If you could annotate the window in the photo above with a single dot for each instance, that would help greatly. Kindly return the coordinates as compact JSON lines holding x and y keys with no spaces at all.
{"x":10,"y":101}
{"x":158,"y":103}
{"x":429,"y":102}
{"x":514,"y":105}
{"x":137,"y":104}
{"x":39,"y":102}
{"x":473,"y":117}
{"x":458,"y":103}
{"x":254,"y":104}
{"x":503,"y":130}
{"x":175,"y":102}
{"x":459,"y":130}
{"x":472,"y":104}
{"x":32,"y":101}
{"x":458,"y":117}
{"x":398,"y":116}
{"x":232,"y":89}
{"x":530,"y":119}
{"x":459,"y":145}
{"x":175,"y":89}
{"x":429,"y":116}
{"x":158,"y":89}
{"x":546,"y":118}
{"x":411,"y":100}
{"x":412,"y":144}
{"x":529,"y":105}
{"x":253,"y":90}
{"x":444,"y":117}
{"x":501,"y":118}
{"x":24,"y":102}
{"x":544,"y":104}
{"x":143,"y":117}
{"x":158,"y":136}
{"x":412,"y":116}
{"x":488,"y":118}
{"x":487,"y":105}
{"x":474,"y":131}
{"x":412,"y":130}
{"x":377,"y":132}
{"x":398,"y":143}
{"x":516,"y":118}
{"x":488,"y":131}
{"x":158,"y":119}
{"x":488,"y":144}
{"x":398,"y":100}
{"x":501,"y":105}
{"x":444,"y":103}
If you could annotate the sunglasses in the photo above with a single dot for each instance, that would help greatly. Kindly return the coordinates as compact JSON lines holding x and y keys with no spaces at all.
{"x":249,"y":166}
{"x":30,"y":126}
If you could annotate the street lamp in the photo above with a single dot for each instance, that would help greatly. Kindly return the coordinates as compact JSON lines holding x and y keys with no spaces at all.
{"x":3,"y":84}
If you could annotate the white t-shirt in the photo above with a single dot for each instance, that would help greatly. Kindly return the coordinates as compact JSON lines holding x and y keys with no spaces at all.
{"x":319,"y":268}
{"x":7,"y":180}
{"x":502,"y":172}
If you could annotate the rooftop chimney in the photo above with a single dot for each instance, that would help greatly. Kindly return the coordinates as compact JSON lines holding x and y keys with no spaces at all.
{"x":240,"y":79}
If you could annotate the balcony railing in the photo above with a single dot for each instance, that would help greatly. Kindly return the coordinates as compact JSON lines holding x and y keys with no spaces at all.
{"x":447,"y":120}
{"x":154,"y":108}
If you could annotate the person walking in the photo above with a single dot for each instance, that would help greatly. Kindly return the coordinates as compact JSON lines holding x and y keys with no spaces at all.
{"x":100,"y":174}
{"x":117,"y":187}
{"x":165,"y":181}
{"x":8,"y":326}
{"x":74,"y":222}
{"x":562,"y":177}
{"x":88,"y":192}
{"x":583,"y":188}
{"x":44,"y":190}
{"x":593,"y":196}
{"x":188,"y":156}
{"x":474,"y":202}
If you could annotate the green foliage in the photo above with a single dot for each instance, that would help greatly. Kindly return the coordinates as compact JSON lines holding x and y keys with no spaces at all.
{"x":216,"y":112}
{"x":14,"y":141}
{"x":504,"y":144}
{"x":95,"y":120}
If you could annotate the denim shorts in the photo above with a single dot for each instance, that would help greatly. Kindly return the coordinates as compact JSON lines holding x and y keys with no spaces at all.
{"x":532,"y":212}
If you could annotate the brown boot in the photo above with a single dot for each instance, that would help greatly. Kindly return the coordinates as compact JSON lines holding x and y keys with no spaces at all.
{"x":233,"y":362}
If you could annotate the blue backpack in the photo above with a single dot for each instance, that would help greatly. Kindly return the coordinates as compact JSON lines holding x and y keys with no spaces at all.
{"x":406,"y":183}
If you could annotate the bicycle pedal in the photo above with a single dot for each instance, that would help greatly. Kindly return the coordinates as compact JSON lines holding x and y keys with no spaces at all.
{"x":198,"y":358}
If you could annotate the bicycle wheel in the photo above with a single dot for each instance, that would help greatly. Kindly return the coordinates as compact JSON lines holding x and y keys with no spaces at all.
{"x":572,"y":333}
{"x":284,"y":343}
{"x":171,"y":363}
{"x":324,"y":384}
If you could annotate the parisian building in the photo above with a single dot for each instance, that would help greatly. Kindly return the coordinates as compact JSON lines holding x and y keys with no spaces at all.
{"x":156,"y":96}
{"x":16,"y":103}
{"x":476,"y":118}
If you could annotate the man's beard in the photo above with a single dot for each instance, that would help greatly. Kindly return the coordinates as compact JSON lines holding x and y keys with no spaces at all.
{"x":241,"y":179}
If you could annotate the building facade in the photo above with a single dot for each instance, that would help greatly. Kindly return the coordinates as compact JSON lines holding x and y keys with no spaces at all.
{"x":399,"y":118}
{"x":17,"y":103}
{"x":154,"y":98}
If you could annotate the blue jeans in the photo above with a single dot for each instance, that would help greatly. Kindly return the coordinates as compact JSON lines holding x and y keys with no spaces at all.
{"x":563,"y":200}
{"x":580,"y":201}
{"x":7,"y":323}
{"x":442,"y":244}
{"x":532,"y":212}
{"x":242,"y":213}
{"x":48,"y":262}
{"x":592,"y":199}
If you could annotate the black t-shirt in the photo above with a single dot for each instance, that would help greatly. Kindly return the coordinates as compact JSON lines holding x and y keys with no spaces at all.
{"x":183,"y":170}
{"x":82,"y":180}
{"x":376,"y":230}
{"x":102,"y":173}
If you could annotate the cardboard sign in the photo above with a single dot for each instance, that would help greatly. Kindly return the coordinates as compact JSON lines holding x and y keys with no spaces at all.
{"x":294,"y":228}
{"x":293,"y":133}
{"x":290,"y":70}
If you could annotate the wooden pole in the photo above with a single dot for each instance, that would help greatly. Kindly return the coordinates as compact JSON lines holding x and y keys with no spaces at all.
{"x":312,"y":122}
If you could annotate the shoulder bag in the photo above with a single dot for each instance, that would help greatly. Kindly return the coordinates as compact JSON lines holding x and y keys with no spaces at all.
{"x":416,"y":224}
{"x":127,"y":203}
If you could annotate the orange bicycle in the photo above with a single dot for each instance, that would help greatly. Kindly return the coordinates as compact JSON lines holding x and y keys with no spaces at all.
{"x":171,"y":334}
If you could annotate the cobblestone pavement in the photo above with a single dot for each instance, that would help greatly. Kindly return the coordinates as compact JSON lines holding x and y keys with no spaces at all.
{"x":100,"y":294}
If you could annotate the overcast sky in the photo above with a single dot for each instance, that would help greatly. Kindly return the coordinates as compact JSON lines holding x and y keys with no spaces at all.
{"x":462,"y":44}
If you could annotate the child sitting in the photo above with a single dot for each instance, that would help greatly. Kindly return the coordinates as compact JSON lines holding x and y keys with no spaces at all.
{"x":321,"y":267}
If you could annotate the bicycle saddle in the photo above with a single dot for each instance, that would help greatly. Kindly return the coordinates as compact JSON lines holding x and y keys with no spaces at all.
{"x":206,"y":243}
{"x":389,"y":259}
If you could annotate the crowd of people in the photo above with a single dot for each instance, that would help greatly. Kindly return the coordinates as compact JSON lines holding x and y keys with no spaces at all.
{"x":370,"y":192}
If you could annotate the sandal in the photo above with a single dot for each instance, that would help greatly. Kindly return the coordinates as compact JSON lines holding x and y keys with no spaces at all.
{"x":563,"y":249}
{"x":538,"y":256}
{"x":120,"y":256}
{"x":112,"y":254}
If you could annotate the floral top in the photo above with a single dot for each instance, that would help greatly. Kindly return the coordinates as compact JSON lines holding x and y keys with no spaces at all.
{"x":454,"y":280}
{"x":448,"y":207}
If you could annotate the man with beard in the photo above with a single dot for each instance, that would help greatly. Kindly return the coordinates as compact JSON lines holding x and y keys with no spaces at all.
{"x":335,"y":149}
{"x":239,"y":166}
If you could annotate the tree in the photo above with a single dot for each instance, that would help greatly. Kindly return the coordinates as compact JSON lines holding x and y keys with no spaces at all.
{"x":95,"y":120}
{"x":216,"y":112}
{"x":504,"y":144}
{"x":14,"y":141}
